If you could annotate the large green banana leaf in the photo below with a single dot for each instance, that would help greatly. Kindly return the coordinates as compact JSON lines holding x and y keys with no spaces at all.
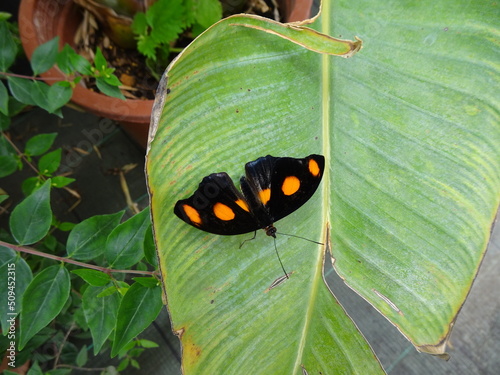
{"x":409,"y":129}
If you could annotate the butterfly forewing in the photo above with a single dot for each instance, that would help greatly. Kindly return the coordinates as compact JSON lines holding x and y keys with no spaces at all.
{"x":293,"y":182}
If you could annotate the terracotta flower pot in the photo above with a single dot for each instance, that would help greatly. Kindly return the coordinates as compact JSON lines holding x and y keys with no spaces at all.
{"x":42,"y":20}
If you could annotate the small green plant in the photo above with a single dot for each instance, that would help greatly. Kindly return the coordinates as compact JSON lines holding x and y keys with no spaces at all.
{"x":154,"y":31}
{"x":31,"y":90}
{"x":65,"y":282}
{"x":165,"y":20}
{"x":63,"y":290}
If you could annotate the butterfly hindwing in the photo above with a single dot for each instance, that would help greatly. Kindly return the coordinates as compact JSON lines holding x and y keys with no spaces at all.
{"x":217,"y":207}
{"x":259,"y":172}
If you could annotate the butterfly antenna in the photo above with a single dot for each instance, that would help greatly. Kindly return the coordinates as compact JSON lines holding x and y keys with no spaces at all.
{"x":282,"y":267}
{"x":303,"y":238}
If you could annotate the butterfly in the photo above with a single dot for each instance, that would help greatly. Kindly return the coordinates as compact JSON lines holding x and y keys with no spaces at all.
{"x":272,"y":188}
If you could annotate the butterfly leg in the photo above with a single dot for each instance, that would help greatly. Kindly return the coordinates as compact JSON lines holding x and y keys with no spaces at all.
{"x":248,"y":239}
{"x":278,"y":255}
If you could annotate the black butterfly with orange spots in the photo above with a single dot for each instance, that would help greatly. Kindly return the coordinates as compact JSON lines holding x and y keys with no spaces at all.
{"x":272,"y":189}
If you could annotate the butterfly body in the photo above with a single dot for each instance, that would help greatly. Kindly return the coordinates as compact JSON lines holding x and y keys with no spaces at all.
{"x":272,"y":188}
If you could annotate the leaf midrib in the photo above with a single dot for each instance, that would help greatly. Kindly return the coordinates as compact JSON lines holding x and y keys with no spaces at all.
{"x":317,"y":277}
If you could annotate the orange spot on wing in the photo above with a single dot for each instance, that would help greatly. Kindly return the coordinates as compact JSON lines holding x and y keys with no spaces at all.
{"x":223,"y":212}
{"x":290,"y":185}
{"x":314,"y":168}
{"x":243,"y":204}
{"x":265,"y":195}
{"x":192,"y":214}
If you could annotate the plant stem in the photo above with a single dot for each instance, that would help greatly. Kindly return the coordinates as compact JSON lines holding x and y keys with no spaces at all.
{"x":28,"y":250}
{"x":28,"y":77}
{"x":81,"y":368}
{"x":22,"y":156}
{"x":63,"y":343}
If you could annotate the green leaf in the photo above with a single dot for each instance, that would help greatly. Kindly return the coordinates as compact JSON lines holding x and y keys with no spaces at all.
{"x":147,"y":343}
{"x":125,"y":245}
{"x":63,"y":59}
{"x":40,"y":94}
{"x":108,"y":89}
{"x":325,"y":338}
{"x":79,"y":318}
{"x":8,"y":165}
{"x":140,"y":23}
{"x":3,"y":197}
{"x":166,"y":19}
{"x":88,"y":239}
{"x":59,"y":95}
{"x":66,"y":226}
{"x":109,"y":291}
{"x":138,"y":309}
{"x":416,"y":184}
{"x":141,"y":266}
{"x":100,"y":61}
{"x":50,"y":243}
{"x":39,"y":144}
{"x":147,"y":46}
{"x":21,"y":89}
{"x":17,"y":275}
{"x":30,"y":220}
{"x":61,"y":181}
{"x":93,"y":277}
{"x":70,"y":62}
{"x":81,"y":65}
{"x":49,"y":163}
{"x":208,"y":12}
{"x":162,"y":24}
{"x":44,"y":56}
{"x":8,"y":47}
{"x":150,"y":248}
{"x":5,"y":16}
{"x":148,"y":282}
{"x":4,"y":122}
{"x":9,"y":161}
{"x":409,"y":128}
{"x":123,"y":364}
{"x":44,"y":299}
{"x":100,"y":313}
{"x":45,"y":96}
{"x":112,"y":80}
{"x":59,"y":371}
{"x":4,"y":99}
{"x":15,"y":106}
{"x":7,"y":255}
{"x":82,"y":357}
{"x":35,"y":369}
{"x":31,"y":184}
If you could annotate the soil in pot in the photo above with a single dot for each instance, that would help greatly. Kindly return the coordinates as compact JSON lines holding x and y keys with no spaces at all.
{"x":138,"y":80}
